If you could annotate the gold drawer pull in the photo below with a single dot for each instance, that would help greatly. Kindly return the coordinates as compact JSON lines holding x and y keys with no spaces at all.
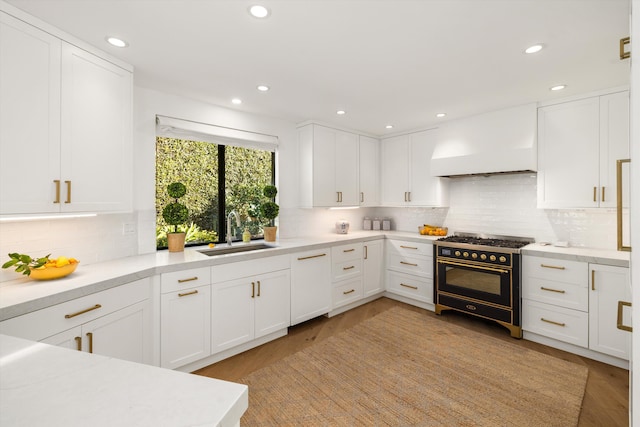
{"x":348,"y":250}
{"x":621,"y":305}
{"x":408,"y":247}
{"x":552,"y":290}
{"x":552,"y":322}
{"x":95,"y":307}
{"x":552,"y":266}
{"x":78,"y":343}
{"x":408,"y":263}
{"x":188,"y":293}
{"x":90,"y":335}
{"x":409,"y":286}
{"x":190,"y":279}
{"x":312,"y":256}
{"x":349,"y":268}
{"x":57,"y":199}
{"x":624,"y":41}
{"x":349,"y":292}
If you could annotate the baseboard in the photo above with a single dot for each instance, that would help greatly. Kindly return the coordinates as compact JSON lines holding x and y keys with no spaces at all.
{"x":354,"y":304}
{"x":426,"y":305}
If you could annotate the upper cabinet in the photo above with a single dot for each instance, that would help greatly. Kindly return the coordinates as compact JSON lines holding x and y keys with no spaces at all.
{"x":328,"y":167}
{"x":578,"y":145}
{"x":65,"y":126}
{"x":369,"y":171}
{"x":406,"y":178}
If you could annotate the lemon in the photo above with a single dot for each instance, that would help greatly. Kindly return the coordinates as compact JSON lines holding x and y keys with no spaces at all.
{"x":62,"y":261}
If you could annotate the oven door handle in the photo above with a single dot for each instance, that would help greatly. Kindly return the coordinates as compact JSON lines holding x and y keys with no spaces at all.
{"x":460,"y":264}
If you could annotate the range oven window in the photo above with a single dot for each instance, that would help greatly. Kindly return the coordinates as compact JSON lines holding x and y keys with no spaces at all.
{"x":473,"y":279}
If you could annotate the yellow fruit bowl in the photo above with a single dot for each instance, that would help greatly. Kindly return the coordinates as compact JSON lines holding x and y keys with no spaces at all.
{"x":48,"y":273}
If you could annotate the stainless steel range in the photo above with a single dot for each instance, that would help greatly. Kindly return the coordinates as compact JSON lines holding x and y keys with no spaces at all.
{"x":480,"y":275}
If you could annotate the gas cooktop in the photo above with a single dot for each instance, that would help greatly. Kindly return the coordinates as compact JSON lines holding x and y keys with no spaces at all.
{"x":510,"y":242}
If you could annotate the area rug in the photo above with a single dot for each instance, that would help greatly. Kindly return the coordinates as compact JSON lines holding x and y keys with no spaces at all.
{"x":404,"y":368}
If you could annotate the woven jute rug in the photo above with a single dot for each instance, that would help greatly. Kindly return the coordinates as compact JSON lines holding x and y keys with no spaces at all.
{"x":403,"y":368}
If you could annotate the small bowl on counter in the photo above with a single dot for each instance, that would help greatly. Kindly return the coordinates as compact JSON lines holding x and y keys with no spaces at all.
{"x":49,"y":273}
{"x":432,"y":230}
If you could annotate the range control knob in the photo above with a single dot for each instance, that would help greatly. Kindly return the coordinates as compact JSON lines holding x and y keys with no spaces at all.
{"x":457,"y":253}
{"x":503,"y":259}
{"x":492,"y":257}
{"x":474,"y":255}
{"x":465,"y":254}
{"x":483,"y":257}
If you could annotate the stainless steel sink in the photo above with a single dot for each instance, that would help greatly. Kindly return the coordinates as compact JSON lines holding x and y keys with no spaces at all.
{"x":235,"y":249}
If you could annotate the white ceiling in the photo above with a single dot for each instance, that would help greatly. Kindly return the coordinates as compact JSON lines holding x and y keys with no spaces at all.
{"x":383,"y":61}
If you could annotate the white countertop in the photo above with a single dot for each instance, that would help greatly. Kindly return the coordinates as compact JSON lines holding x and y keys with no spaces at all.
{"x":44,"y":385}
{"x":597,"y":256}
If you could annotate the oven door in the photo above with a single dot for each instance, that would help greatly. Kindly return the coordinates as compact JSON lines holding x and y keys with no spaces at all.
{"x":486,"y":283}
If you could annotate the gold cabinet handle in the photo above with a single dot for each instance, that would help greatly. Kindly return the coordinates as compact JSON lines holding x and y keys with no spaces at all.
{"x":408,"y":247}
{"x":620,"y":204}
{"x":57,"y":199}
{"x":86,"y":310}
{"x":552,"y":322}
{"x":552,"y":266}
{"x":351,"y":267}
{"x":361,"y":197}
{"x":409,"y":193}
{"x":603,"y":194}
{"x":90,"y":335}
{"x":593,"y":280}
{"x":408,"y":263}
{"x":68,"y":191}
{"x":624,"y":41}
{"x":188,"y":293}
{"x":253,"y":289}
{"x":366,"y":252}
{"x":409,"y":286}
{"x":595,"y":194}
{"x":312,"y":256}
{"x":621,"y":305}
{"x":348,"y":250}
{"x":78,"y":343}
{"x":348,"y":292}
{"x":258,"y":287}
{"x":190,"y":279}
{"x":552,"y":290}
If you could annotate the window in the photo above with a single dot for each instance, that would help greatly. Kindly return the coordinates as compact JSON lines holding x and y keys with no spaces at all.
{"x":219,"y":179}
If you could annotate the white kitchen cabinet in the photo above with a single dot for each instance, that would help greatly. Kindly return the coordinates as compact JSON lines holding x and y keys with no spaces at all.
{"x":328,"y":167}
{"x":248,"y":308}
{"x":369,"y":171}
{"x":346,"y":267}
{"x":373,"y":267}
{"x":608,"y":285}
{"x":578,"y":145}
{"x":116,"y":322}
{"x":410,"y":269}
{"x":73,"y":111}
{"x":406,"y":178}
{"x":310,"y":284}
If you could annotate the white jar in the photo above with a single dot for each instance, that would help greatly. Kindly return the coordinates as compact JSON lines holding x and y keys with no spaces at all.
{"x":386,"y":224}
{"x":376,"y":223}
{"x":366,"y":224}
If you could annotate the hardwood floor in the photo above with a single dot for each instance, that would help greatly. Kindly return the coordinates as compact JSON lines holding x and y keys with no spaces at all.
{"x":606,"y":400}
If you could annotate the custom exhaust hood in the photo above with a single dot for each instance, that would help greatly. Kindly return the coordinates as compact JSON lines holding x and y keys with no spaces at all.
{"x":498,"y":142}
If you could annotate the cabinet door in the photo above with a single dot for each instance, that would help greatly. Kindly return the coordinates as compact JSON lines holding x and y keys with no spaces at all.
{"x":185,"y":326}
{"x":373,"y":267}
{"x":324,"y":166}
{"x":232,"y":313}
{"x":272,"y":302}
{"x":96,"y":167}
{"x":29,"y":118}
{"x":426,"y":190}
{"x":310,"y":285}
{"x":346,"y":161}
{"x":608,"y":285}
{"x":614,"y":144}
{"x":568,"y":154}
{"x":124,"y":334}
{"x":394,"y":183}
{"x":369,"y":171}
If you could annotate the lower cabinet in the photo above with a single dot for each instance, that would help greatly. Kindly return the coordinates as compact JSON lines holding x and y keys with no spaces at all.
{"x":310,"y":284}
{"x":116,"y":323}
{"x":410,"y":270}
{"x":346,"y":274}
{"x":373,"y":267}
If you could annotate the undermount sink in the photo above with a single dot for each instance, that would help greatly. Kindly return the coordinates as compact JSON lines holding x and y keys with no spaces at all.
{"x":235,"y":249}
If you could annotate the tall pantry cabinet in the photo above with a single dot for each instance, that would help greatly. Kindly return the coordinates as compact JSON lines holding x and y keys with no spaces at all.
{"x":65,"y":125}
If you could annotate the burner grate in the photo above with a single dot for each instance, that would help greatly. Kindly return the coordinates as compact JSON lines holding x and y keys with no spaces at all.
{"x":484,"y":241}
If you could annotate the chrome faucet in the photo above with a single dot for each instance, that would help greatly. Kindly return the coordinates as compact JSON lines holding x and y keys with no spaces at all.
{"x":229,"y":227}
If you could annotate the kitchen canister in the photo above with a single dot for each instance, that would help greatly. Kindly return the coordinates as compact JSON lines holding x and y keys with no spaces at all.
{"x":376,"y":223}
{"x":342,"y":227}
{"x":386,"y":224}
{"x":366,"y":224}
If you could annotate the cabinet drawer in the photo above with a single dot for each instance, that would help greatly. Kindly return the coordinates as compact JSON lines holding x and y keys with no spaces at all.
{"x":342,"y":253}
{"x":170,"y":282}
{"x":417,"y":288}
{"x":559,"y":323}
{"x":49,"y":321}
{"x":347,"y":292}
{"x":409,"y":248}
{"x":560,"y":270}
{"x":346,"y":269}
{"x":564,"y":294}
{"x":237,"y":270}
{"x":421,"y":265}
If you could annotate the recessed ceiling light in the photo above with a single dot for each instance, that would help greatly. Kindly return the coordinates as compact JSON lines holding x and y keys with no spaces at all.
{"x":533,"y":49}
{"x":236,"y":101}
{"x":114,"y":41}
{"x":341,"y":112}
{"x":263,"y":88}
{"x":259,"y":11}
{"x":558,"y":87}
{"x":441,"y":115}
{"x":389,"y":127}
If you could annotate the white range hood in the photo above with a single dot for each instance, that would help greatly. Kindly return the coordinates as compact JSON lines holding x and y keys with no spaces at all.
{"x":501,"y":141}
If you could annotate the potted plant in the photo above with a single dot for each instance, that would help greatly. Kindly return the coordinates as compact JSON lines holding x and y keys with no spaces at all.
{"x":269,"y":210}
{"x":175,"y":214}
